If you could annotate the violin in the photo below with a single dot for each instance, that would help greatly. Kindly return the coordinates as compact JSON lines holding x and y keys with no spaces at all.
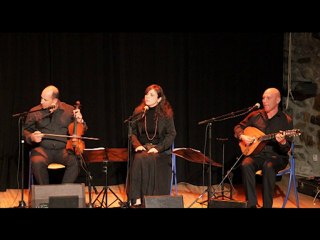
{"x":76,"y":130}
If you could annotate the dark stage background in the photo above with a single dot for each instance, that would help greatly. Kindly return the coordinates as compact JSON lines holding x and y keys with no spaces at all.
{"x":204,"y":75}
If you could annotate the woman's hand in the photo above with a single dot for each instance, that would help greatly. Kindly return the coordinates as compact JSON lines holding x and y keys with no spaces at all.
{"x":140,"y":149}
{"x":153,"y":150}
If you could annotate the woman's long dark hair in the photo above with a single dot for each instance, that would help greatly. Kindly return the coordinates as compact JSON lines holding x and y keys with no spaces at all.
{"x":164,"y":107}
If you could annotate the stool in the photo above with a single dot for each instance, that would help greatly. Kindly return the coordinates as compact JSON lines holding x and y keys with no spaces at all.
{"x":51,"y":166}
{"x":58,"y":170}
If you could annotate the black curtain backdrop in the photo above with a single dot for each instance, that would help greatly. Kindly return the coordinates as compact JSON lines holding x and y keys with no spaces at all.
{"x":204,"y":75}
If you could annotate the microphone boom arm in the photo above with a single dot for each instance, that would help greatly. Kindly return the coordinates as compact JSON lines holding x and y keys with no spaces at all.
{"x":132,"y":117}
{"x":27,"y":112}
{"x":143,"y":112}
{"x":230,"y":115}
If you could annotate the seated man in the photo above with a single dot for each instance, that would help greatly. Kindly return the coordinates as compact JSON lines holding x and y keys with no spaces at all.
{"x":51,"y":116}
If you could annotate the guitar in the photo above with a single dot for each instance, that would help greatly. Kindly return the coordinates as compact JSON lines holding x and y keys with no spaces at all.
{"x":258,"y":144}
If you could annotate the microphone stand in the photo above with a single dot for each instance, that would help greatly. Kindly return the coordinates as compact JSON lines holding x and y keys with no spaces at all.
{"x":21,"y":121}
{"x":22,"y":203}
{"x":209,"y":122}
{"x":209,"y":175}
{"x":127,"y":204}
{"x":133,"y":118}
{"x":136,"y":115}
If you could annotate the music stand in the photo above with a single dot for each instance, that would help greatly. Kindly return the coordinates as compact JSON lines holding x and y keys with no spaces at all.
{"x":196,"y":156}
{"x":90,"y":155}
{"x":105,"y":155}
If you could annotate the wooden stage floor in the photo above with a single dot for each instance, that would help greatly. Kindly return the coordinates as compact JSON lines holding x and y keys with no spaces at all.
{"x":193,"y":196}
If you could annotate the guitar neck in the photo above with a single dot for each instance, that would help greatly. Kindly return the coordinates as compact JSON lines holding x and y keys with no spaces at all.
{"x":267,"y":137}
{"x":293,"y":132}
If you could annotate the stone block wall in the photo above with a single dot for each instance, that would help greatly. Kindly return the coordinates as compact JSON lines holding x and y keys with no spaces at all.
{"x":302,"y":97}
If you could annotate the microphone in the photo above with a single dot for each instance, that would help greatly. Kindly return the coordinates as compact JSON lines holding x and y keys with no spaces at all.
{"x":256,"y":106}
{"x":143,"y":112}
{"x":145,"y":109}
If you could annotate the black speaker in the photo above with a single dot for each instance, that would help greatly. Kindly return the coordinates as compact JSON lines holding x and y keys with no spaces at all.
{"x":304,"y":90}
{"x":165,"y":201}
{"x":227,"y":204}
{"x":64,"y":202}
{"x":70,"y":195}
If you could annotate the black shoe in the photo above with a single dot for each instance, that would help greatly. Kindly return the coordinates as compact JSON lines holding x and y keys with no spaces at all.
{"x":254,"y":206}
{"x":136,"y":206}
{"x":124,"y":204}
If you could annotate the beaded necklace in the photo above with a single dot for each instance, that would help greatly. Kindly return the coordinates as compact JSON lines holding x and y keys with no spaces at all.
{"x":155,"y":129}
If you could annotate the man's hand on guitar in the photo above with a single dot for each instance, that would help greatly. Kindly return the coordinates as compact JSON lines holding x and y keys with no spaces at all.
{"x":247,"y":139}
{"x":280,"y":137}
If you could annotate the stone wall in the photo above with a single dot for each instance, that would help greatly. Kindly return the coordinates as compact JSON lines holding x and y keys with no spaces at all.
{"x":302,"y":81}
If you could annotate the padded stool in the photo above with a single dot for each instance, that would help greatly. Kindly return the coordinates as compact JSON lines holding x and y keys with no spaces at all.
{"x":51,"y":166}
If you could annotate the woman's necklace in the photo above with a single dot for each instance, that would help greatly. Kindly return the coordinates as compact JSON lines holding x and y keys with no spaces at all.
{"x":155,"y":129}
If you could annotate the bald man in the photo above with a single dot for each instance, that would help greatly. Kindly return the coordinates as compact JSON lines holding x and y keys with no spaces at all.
{"x":270,"y":156}
{"x":51,"y":116}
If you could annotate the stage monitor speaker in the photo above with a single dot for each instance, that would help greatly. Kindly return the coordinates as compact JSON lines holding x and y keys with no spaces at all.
{"x":227,"y":204}
{"x":164,"y":201}
{"x":69,"y":195}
